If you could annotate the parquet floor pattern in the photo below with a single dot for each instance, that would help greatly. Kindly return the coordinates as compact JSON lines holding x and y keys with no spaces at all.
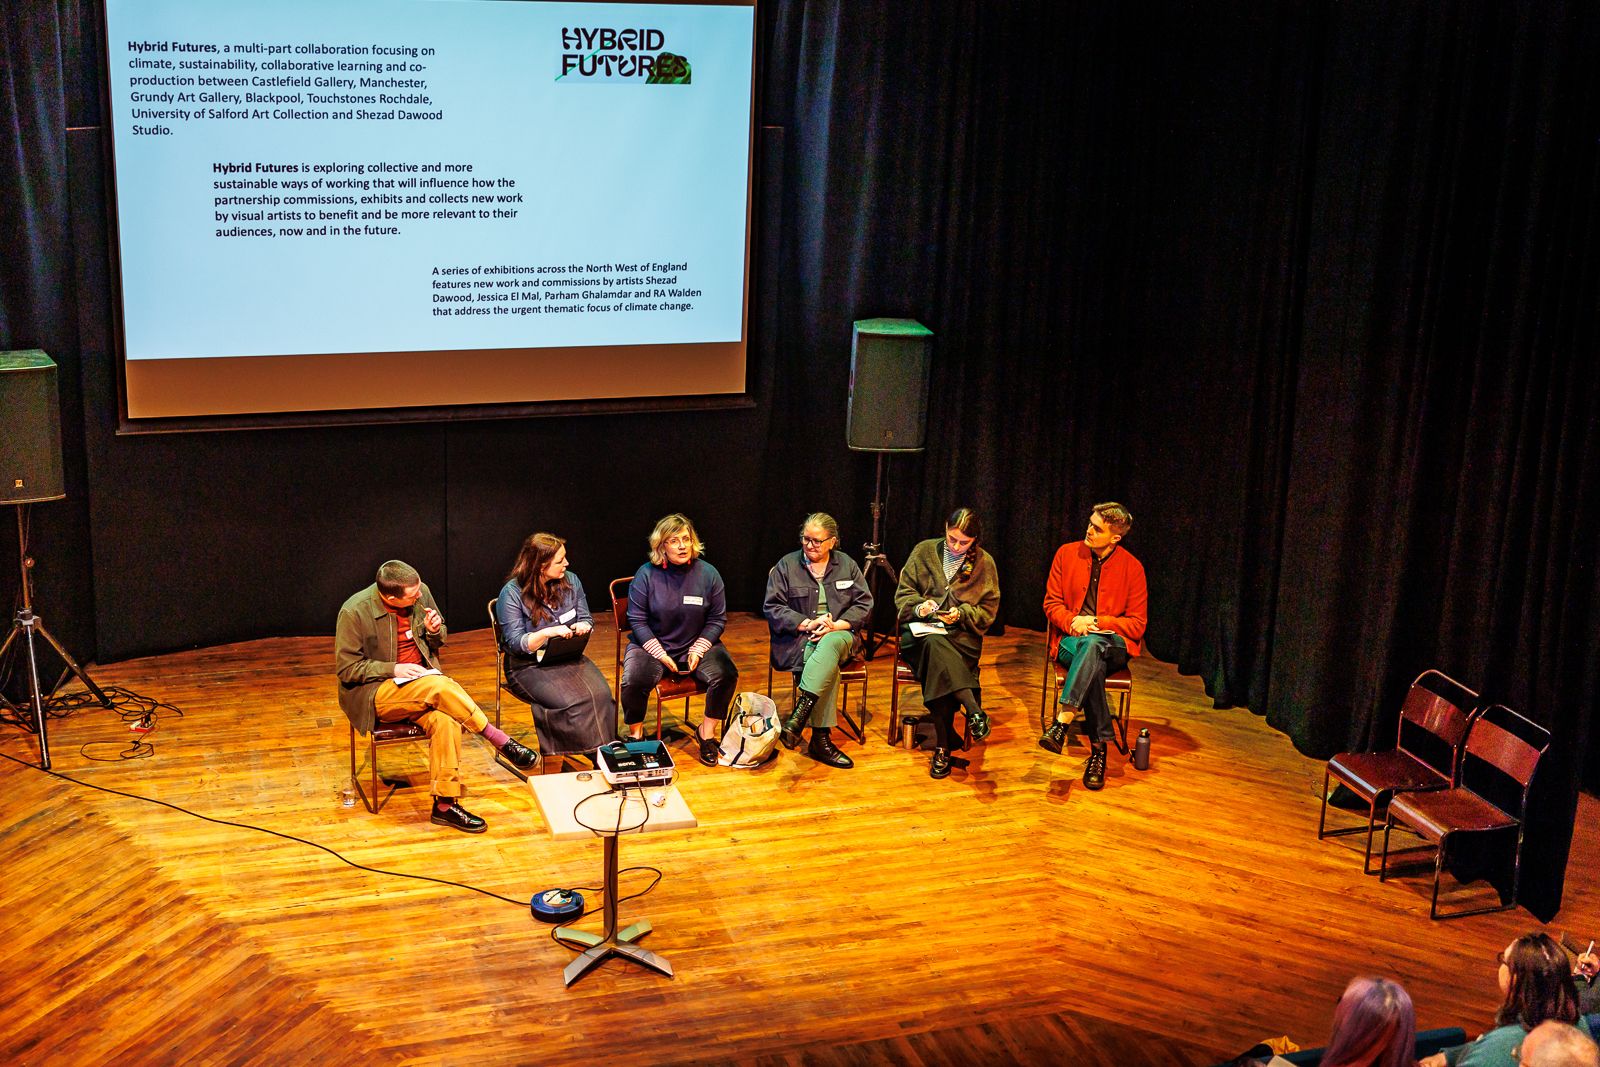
{"x":814,"y":917}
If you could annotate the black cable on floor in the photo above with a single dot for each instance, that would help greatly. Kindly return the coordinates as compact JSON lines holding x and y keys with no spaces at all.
{"x":290,"y":837}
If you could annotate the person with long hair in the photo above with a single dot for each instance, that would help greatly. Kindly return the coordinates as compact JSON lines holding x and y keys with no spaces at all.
{"x":946,"y":601}
{"x":816,"y":607}
{"x":573,"y":711}
{"x":1373,"y":1026}
{"x":1535,"y":985}
{"x":677,"y":611}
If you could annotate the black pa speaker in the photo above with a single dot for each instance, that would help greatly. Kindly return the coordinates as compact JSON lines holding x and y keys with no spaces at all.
{"x":889,"y":364}
{"x":30,"y":411}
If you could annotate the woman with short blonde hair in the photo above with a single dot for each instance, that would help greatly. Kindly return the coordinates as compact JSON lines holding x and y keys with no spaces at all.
{"x":677,"y":611}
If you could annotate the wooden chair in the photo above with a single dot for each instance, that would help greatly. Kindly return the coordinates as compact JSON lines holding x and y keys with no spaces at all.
{"x":1502,"y":749}
{"x":1433,"y":724}
{"x":671,"y":687}
{"x":851,"y":672}
{"x":499,"y":658}
{"x":383,"y":733}
{"x":1119,"y":685}
{"x":501,"y":684}
{"x":903,"y":676}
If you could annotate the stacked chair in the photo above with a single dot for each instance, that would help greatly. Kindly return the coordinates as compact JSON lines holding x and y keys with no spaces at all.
{"x":1457,"y":769}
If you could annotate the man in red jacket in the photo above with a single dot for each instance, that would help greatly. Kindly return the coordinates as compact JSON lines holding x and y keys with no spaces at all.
{"x":1097,"y":601}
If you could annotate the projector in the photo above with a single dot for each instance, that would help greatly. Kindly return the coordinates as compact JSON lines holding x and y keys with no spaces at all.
{"x":642,"y":763}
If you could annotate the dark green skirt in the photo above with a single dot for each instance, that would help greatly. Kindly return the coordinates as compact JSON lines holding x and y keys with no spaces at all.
{"x":939,"y":665}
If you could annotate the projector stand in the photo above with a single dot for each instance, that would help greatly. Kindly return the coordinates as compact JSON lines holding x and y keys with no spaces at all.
{"x":27,"y":624}
{"x":613,"y":942}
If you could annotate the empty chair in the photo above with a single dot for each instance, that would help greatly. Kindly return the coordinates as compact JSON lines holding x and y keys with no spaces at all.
{"x":1500,"y":758}
{"x":1426,"y":754}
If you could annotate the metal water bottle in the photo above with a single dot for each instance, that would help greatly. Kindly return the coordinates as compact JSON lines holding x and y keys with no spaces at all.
{"x":1141,"y":751}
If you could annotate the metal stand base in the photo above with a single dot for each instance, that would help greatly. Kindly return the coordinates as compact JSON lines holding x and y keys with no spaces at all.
{"x":27,"y":624}
{"x":612,"y":942}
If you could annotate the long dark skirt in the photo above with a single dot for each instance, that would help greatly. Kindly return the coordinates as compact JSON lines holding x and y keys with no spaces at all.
{"x":573,"y":710}
{"x":940,"y":666}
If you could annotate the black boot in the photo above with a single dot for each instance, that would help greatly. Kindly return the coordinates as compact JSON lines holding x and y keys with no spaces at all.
{"x":822,"y":748}
{"x":803,"y":703}
{"x":940,"y":767}
{"x":978,"y":723}
{"x":1055,"y":738}
{"x":1094,"y":772}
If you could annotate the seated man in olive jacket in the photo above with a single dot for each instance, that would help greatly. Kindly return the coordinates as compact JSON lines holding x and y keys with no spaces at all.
{"x":386,"y":648}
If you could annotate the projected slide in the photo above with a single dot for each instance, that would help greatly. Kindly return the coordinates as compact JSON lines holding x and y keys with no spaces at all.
{"x":544,"y":199}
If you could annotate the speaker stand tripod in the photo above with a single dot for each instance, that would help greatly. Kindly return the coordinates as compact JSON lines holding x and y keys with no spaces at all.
{"x":876,"y":567}
{"x":25,"y":625}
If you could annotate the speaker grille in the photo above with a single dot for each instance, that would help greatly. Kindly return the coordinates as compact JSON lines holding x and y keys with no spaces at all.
{"x":890,"y":360}
{"x":30,"y":411}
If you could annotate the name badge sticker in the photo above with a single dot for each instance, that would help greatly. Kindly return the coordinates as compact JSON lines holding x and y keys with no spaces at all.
{"x":694,"y":601}
{"x":568,"y":616}
{"x":844,"y":583}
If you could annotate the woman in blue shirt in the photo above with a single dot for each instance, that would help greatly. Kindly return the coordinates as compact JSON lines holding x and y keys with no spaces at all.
{"x":542,"y":599}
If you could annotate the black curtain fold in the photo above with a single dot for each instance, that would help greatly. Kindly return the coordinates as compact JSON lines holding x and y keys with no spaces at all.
{"x":1312,"y":288}
{"x":41,"y":95}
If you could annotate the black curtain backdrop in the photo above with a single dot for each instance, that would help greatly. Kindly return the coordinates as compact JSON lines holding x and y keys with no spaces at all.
{"x":1310,"y":287}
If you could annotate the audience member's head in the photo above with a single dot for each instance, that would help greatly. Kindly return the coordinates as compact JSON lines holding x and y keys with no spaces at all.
{"x":1373,"y":1026}
{"x":1553,"y":1044}
{"x":1536,"y":979}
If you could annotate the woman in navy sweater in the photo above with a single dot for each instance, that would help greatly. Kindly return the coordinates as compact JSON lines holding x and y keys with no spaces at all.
{"x":677,"y":612}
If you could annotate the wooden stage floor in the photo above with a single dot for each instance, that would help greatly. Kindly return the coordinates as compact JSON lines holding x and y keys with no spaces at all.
{"x":814,"y":917}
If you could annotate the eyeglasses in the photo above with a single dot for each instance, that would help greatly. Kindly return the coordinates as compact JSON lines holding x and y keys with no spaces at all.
{"x":815,"y":542}
{"x":1500,"y":958}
